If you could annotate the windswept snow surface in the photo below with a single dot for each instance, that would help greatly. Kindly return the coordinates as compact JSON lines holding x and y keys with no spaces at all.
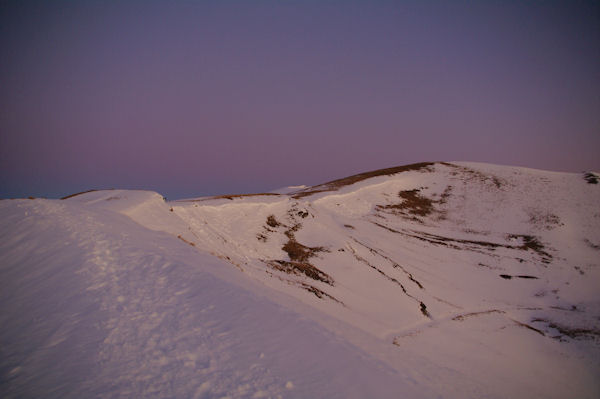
{"x":448,"y":280}
{"x":94,"y":305}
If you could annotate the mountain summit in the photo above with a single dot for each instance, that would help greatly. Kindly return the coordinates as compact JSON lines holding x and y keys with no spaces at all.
{"x":433,"y":279}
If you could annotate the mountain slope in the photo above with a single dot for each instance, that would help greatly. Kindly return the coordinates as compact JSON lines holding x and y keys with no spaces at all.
{"x":94,"y":305}
{"x":453,"y":279}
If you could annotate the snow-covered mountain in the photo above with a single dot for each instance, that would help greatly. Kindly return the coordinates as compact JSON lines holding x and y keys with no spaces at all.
{"x":428,"y":280}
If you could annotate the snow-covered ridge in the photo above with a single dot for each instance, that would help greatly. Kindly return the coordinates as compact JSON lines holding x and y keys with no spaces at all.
{"x":461,"y":269}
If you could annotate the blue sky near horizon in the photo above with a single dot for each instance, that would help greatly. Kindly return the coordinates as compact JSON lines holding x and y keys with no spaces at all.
{"x":193,"y":98}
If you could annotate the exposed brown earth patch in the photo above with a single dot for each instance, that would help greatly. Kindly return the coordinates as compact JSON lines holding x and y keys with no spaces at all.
{"x":422,"y":306}
{"x":76,"y":194}
{"x":445,"y":195}
{"x":378,"y":270}
{"x":301,"y":268}
{"x":508,"y":277}
{"x":337,"y":184}
{"x":186,"y":241}
{"x":272,"y":221}
{"x":591,"y":178}
{"x":568,"y":331}
{"x":319,"y":293}
{"x":395,"y":265}
{"x":529,"y":242}
{"x":270,"y":224}
{"x":591,"y":244}
{"x":472,"y":174}
{"x":462,"y":317}
{"x":521,"y":324}
{"x":467,"y":315}
{"x":544,"y":220}
{"x":231,"y":197}
{"x":413,"y":205}
{"x":299,"y":252}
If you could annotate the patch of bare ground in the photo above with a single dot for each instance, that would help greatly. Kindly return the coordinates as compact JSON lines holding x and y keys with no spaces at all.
{"x":445,"y":195}
{"x":298,"y":253}
{"x":573,"y":308}
{"x":415,"y":206}
{"x":303,"y":214}
{"x":395,"y":265}
{"x":446,"y":241}
{"x":76,"y":194}
{"x":186,"y":241}
{"x":320,"y":293}
{"x":415,"y":203}
{"x":476,"y":232}
{"x":270,"y":224}
{"x":462,"y":317}
{"x":592,"y":245}
{"x":529,"y":242}
{"x":508,"y":277}
{"x":339,"y":183}
{"x":591,"y":178}
{"x":521,"y":324}
{"x":568,"y":331}
{"x":301,"y":268}
{"x":440,"y":300}
{"x":378,"y":270}
{"x":472,"y":174}
{"x":488,"y":266}
{"x":422,"y":306}
{"x":272,"y":221}
{"x":230,"y":197}
{"x":544,"y":220}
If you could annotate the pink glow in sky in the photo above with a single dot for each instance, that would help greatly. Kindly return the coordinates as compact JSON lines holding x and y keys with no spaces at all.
{"x":195,"y":98}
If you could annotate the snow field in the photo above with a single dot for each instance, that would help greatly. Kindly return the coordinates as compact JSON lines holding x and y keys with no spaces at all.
{"x":454,"y":280}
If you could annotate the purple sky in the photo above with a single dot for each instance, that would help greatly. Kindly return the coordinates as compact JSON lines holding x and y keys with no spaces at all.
{"x":194,"y":98}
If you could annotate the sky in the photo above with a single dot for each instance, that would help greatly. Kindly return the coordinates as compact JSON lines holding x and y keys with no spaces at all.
{"x":193,"y":98}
